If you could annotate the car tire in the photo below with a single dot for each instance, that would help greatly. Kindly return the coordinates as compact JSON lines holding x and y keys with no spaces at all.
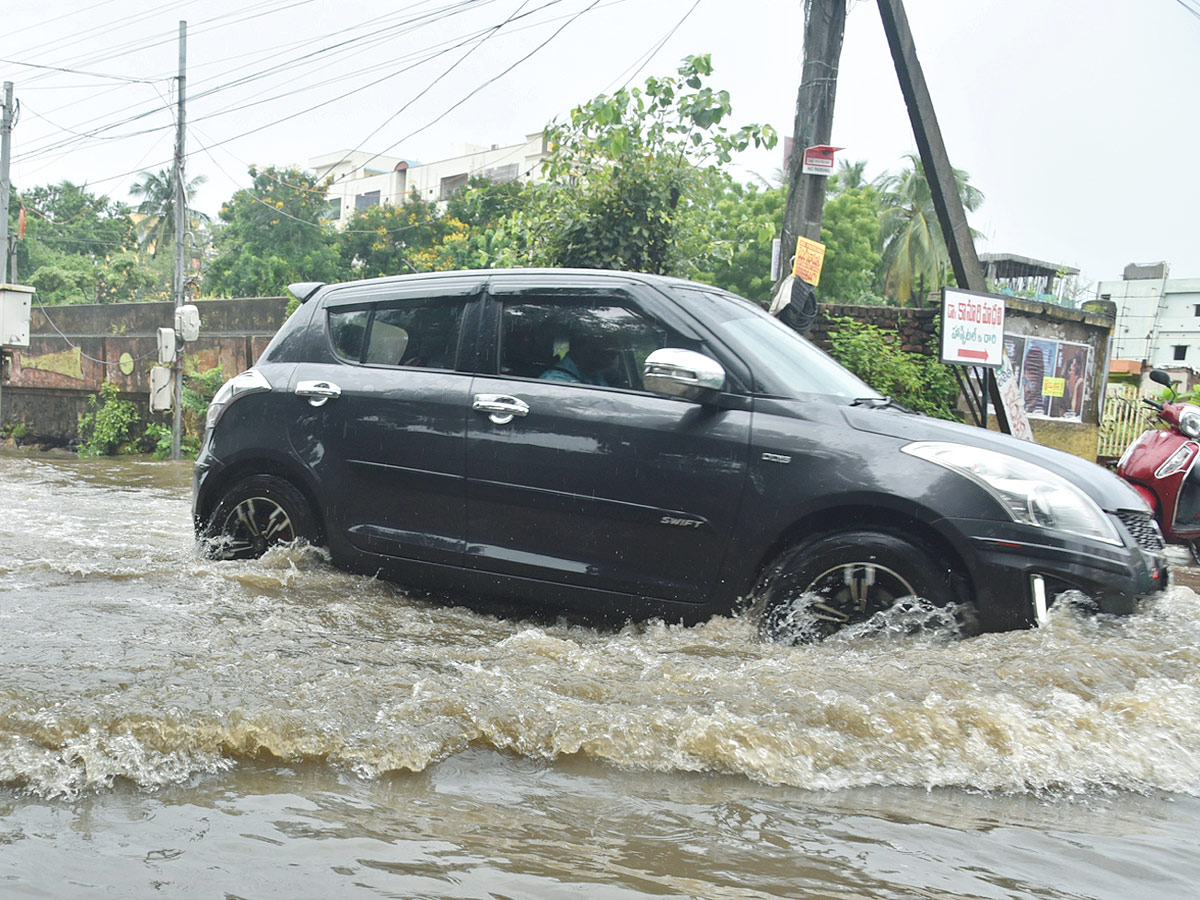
{"x":257,"y":513}
{"x":855,"y":575}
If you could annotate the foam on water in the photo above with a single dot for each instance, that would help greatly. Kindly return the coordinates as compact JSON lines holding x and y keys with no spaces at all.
{"x":124,"y":655}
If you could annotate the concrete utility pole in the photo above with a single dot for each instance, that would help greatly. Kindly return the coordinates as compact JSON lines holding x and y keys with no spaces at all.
{"x":6,"y":127}
{"x":180,"y":226}
{"x":938,"y":172}
{"x":824,"y":25}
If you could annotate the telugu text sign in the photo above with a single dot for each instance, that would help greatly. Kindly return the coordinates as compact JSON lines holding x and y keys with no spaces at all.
{"x":810,"y":256}
{"x":972,"y":328}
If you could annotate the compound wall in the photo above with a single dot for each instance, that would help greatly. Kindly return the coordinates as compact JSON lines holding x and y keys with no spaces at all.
{"x":73,"y":350}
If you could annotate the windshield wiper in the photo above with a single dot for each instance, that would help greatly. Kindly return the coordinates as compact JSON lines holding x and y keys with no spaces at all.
{"x":879,"y":403}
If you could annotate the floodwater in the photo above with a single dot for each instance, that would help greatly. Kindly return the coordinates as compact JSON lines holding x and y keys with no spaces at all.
{"x":176,"y":727}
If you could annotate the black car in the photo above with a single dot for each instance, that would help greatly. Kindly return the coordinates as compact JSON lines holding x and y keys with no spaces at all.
{"x":632,"y":447}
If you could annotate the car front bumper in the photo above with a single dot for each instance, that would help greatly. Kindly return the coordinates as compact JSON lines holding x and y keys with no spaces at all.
{"x":1019,"y":571}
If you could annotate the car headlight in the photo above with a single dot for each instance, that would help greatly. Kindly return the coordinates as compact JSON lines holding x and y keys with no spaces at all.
{"x":1030,"y":493}
{"x":249,"y":382}
{"x":1189,"y":421}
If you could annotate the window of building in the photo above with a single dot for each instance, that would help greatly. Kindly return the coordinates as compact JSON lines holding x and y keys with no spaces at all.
{"x":452,"y":185}
{"x":1197,"y":308}
{"x":366,"y":201}
{"x":334,"y":208}
{"x":1180,"y":351}
{"x":501,"y":174}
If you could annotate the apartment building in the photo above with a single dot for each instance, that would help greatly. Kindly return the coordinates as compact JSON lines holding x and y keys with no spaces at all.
{"x":1158,"y":317}
{"x":360,"y":180}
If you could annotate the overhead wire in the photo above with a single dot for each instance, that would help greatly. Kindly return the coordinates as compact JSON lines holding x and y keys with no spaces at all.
{"x":103,"y":132}
{"x":646,"y":57}
{"x":1190,"y":6}
{"x":377,"y":36}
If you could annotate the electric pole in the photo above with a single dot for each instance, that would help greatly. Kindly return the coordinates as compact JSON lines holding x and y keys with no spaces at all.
{"x":180,"y":226}
{"x":951,"y":215}
{"x":824,"y":25}
{"x":6,"y":127}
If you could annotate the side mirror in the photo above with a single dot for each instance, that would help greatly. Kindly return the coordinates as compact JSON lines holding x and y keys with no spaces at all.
{"x":682,"y":373}
{"x":1158,"y":376}
{"x":1161,"y":377}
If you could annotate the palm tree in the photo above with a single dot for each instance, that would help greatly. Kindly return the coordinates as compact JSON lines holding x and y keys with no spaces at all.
{"x":914,"y":256}
{"x":849,"y":176}
{"x":156,"y":228}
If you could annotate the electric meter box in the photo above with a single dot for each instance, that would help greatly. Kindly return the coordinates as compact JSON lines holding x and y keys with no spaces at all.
{"x":15,"y":304}
{"x":187,"y":323}
{"x":166,"y":346}
{"x":161,"y":389}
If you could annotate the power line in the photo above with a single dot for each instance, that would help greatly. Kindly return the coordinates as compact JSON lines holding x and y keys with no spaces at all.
{"x":653,"y":51}
{"x":377,"y":36}
{"x":411,"y":18}
{"x":1191,"y":7}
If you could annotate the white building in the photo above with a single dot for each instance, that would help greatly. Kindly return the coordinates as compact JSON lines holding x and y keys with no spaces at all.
{"x":361,"y":180}
{"x":1158,"y":317}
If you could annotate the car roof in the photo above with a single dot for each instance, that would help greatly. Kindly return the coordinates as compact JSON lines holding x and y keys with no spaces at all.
{"x":306,"y":290}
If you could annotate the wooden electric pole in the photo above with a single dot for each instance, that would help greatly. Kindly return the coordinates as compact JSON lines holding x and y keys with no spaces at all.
{"x":824,"y":25}
{"x":951,"y":215}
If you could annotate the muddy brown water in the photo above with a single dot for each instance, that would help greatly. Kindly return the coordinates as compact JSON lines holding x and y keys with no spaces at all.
{"x":175,"y":727}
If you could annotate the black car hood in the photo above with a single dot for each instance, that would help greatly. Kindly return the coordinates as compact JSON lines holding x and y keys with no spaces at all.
{"x":1109,"y":491}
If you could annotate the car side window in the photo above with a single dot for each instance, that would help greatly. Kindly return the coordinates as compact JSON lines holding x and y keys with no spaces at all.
{"x":602,"y":343}
{"x":347,"y":328}
{"x":421,"y":334}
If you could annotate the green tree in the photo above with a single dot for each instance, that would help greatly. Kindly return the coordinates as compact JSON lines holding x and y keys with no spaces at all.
{"x":914,"y":256}
{"x":850,"y":233}
{"x":156,"y":211}
{"x":483,"y":203}
{"x":75,"y":246}
{"x":628,"y":168}
{"x":272,"y":235}
{"x":394,"y":240}
{"x":733,"y":234}
{"x":848,"y":177}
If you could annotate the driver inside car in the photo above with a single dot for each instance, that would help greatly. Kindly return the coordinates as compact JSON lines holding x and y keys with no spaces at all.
{"x":586,"y":360}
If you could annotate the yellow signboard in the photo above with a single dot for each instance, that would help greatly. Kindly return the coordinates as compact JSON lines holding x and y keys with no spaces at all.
{"x":1054,"y":387}
{"x":810,"y":256}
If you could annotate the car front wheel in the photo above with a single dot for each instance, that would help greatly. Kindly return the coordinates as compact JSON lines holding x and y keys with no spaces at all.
{"x":824,"y":584}
{"x":257,"y":513}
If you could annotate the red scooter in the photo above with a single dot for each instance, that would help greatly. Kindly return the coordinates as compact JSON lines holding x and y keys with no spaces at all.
{"x":1161,"y":466}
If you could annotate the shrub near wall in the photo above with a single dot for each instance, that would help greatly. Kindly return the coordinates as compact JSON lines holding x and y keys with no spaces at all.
{"x":919,"y":333}
{"x":917,"y":328}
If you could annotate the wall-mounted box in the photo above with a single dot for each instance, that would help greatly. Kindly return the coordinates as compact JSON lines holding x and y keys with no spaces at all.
{"x":15,"y":303}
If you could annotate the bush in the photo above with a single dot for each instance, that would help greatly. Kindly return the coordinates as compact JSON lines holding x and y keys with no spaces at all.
{"x":921,"y":383}
{"x":106,"y":429}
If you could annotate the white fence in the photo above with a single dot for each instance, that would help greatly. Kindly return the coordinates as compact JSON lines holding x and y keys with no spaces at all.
{"x":1125,"y":417}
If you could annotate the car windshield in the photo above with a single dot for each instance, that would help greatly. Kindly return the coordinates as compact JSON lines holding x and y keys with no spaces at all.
{"x":784,"y":363}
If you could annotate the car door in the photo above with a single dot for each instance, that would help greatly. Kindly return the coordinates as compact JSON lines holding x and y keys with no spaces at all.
{"x":385,"y":426}
{"x":601,"y":484}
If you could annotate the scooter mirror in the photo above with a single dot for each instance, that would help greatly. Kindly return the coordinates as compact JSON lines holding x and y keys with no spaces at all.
{"x":1161,"y":377}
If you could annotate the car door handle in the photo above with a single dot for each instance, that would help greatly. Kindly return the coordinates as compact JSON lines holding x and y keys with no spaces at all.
{"x":318,"y":392}
{"x":501,"y":408}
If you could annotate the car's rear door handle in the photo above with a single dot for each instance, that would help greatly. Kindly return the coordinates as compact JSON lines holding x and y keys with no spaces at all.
{"x":318,"y":392}
{"x":501,"y":408}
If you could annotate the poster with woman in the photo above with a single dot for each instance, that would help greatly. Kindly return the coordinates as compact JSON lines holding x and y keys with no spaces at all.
{"x":1072,"y":368}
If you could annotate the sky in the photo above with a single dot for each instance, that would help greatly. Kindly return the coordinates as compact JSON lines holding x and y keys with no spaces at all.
{"x":1077,"y":119}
